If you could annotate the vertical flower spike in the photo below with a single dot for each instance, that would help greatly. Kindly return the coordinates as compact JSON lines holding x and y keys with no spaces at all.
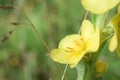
{"x":99,"y":6}
{"x":72,"y":48}
{"x":114,"y":41}
{"x":115,"y":21}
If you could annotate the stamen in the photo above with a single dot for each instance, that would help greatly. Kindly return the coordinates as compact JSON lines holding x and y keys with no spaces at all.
{"x":69,"y":49}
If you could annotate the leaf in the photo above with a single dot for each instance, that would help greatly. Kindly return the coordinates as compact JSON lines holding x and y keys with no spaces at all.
{"x":80,"y":71}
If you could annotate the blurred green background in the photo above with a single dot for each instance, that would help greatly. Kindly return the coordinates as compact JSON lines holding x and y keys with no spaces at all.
{"x":23,"y":56}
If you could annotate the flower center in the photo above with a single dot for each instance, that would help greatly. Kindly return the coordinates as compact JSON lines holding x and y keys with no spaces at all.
{"x":78,"y":45}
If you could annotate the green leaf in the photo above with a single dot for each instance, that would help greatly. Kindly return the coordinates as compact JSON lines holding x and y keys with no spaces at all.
{"x":80,"y":71}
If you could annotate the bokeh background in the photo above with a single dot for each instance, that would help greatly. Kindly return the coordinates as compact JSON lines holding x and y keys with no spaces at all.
{"x":22,"y":54}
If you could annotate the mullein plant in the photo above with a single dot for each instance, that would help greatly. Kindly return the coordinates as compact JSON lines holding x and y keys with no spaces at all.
{"x":82,"y":50}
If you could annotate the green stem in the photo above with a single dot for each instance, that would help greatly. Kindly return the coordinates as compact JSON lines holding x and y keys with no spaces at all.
{"x":99,"y":19}
{"x":80,"y":71}
{"x":87,"y":73}
{"x":91,"y":65}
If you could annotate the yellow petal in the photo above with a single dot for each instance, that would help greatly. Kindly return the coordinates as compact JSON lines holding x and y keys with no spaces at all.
{"x":62,"y":56}
{"x":93,"y":43}
{"x":73,"y":42}
{"x":99,"y":6}
{"x":87,"y":29}
{"x":113,"y":43}
{"x":68,"y":41}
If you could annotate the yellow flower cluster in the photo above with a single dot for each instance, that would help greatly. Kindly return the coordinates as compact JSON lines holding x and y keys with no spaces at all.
{"x":102,"y":6}
{"x":72,"y":48}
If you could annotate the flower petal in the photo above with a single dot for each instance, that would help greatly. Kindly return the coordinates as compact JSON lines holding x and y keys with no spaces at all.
{"x":62,"y":56}
{"x":69,"y":41}
{"x":99,"y":6}
{"x":73,"y":42}
{"x":93,"y":43}
{"x":87,"y":29}
{"x":113,"y":43}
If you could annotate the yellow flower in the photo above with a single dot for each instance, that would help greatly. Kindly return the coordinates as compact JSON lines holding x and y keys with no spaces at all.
{"x":72,"y":48}
{"x":115,"y":21}
{"x":99,"y":6}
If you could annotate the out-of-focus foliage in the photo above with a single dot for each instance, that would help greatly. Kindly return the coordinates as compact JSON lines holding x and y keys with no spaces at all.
{"x":23,"y":56}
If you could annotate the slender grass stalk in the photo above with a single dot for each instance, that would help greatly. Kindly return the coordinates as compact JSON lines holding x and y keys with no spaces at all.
{"x":64,"y":72}
{"x":37,"y":32}
{"x":86,"y":14}
{"x":43,"y":41}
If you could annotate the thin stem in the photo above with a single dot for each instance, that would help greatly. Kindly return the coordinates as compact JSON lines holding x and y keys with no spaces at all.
{"x":99,"y":20}
{"x":64,"y":72}
{"x":37,"y":32}
{"x":58,"y":66}
{"x":42,"y":40}
{"x":39,"y":35}
{"x":86,"y":14}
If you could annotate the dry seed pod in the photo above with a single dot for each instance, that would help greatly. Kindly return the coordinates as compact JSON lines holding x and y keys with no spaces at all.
{"x":6,"y":7}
